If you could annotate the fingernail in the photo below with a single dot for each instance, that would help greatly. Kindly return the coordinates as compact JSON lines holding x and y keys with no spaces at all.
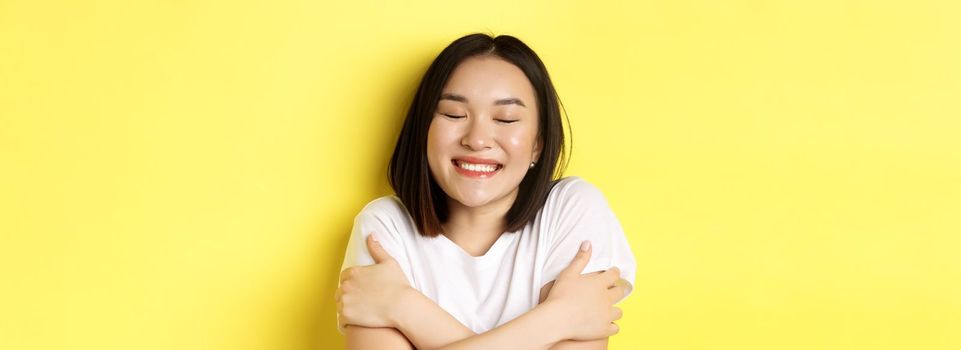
{"x":373,"y":237}
{"x":585,"y":246}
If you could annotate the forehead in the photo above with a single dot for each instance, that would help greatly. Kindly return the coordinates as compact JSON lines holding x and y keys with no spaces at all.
{"x":488,"y":78}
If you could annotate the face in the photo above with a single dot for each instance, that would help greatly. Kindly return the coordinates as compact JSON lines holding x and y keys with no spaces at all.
{"x":483,"y":136}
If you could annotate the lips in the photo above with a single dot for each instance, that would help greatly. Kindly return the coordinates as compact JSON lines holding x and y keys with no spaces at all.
{"x":473,"y":160}
{"x":476,"y":167}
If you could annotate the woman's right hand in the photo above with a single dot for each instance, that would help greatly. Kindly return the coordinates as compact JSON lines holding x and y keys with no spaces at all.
{"x":369,"y":296}
{"x":587,"y":301}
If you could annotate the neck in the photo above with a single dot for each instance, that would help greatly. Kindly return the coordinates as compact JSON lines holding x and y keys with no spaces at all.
{"x":475,"y":229}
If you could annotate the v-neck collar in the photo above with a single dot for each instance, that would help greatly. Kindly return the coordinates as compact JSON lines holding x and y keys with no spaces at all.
{"x":492,"y":254}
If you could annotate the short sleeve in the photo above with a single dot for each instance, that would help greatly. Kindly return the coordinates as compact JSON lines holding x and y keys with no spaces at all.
{"x":373,"y":218}
{"x":578,"y":212}
{"x":366,"y":223}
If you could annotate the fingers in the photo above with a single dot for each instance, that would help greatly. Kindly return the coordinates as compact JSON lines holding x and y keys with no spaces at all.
{"x":610,"y":276}
{"x":613,"y":329}
{"x":347,"y":273}
{"x":580,"y":260}
{"x":376,"y":249}
{"x":618,"y":292}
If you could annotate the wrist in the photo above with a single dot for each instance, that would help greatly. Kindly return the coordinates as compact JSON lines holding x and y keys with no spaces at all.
{"x":552,"y":317}
{"x":404,"y":308}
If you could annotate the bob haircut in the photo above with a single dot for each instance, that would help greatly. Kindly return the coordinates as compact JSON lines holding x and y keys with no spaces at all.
{"x":408,"y":171}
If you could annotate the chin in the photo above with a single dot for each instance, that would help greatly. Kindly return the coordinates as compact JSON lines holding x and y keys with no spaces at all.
{"x":476,"y":194}
{"x":474,"y":202}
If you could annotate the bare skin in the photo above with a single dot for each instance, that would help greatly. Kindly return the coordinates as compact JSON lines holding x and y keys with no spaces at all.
{"x":488,"y":110}
{"x":577,"y":313}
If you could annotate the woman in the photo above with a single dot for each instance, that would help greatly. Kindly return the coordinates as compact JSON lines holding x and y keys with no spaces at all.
{"x":481,"y":248}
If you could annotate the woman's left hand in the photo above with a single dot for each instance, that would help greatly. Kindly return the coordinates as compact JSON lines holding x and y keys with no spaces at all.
{"x":370,"y":295}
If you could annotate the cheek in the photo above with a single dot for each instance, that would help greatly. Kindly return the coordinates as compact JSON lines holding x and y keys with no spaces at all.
{"x":520,"y":141}
{"x":519,"y":148}
{"x":439,"y":139}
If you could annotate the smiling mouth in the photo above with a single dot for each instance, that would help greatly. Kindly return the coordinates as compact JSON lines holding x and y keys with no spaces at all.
{"x":476,"y":170}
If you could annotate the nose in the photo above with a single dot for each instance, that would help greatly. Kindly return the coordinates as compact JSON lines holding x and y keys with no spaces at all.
{"x":478,"y":135}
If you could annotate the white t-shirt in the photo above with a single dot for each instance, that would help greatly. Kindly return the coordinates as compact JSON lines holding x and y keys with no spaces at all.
{"x":486,"y":291}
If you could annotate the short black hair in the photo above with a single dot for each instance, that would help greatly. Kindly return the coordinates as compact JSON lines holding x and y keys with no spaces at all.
{"x":409,"y":173}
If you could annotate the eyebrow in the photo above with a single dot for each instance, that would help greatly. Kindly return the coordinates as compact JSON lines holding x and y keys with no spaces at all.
{"x":500,"y":102}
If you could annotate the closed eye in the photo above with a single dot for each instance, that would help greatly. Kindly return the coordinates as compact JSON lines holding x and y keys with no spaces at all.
{"x":505,"y":121}
{"x":456,"y":116}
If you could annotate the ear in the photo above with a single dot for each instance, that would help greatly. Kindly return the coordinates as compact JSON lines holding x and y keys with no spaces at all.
{"x":538,"y":146}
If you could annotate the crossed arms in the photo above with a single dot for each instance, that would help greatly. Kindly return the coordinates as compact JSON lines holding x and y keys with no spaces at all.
{"x":380,"y":310}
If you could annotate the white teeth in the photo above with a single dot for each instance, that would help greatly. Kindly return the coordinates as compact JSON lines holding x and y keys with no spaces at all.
{"x":486,"y":168}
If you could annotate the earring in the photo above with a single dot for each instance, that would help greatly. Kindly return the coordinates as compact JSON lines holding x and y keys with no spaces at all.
{"x":532,"y":165}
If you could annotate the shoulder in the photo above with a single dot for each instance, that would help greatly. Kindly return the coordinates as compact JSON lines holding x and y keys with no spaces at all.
{"x":574,"y":201}
{"x":386,"y":213}
{"x":386,"y":207}
{"x":574,"y":191}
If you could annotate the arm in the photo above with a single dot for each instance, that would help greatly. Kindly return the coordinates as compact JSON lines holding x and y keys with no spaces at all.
{"x":374,"y":296}
{"x":539,"y":328}
{"x":361,"y":338}
{"x":430,"y":327}
{"x":597,"y":344}
{"x":433,"y":327}
{"x":581,"y":213}
{"x":426,"y":324}
{"x":377,"y":296}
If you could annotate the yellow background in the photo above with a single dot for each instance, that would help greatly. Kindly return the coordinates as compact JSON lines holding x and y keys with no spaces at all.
{"x":183,"y":175}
